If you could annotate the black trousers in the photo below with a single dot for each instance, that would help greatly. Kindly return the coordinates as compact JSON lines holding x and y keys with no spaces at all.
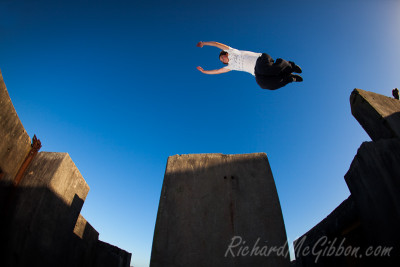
{"x":272,"y":74}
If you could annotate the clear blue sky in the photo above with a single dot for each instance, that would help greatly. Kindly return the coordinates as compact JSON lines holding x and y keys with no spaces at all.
{"x":115,"y":85}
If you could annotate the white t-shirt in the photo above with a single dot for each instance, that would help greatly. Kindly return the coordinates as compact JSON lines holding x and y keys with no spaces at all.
{"x":242,"y":60}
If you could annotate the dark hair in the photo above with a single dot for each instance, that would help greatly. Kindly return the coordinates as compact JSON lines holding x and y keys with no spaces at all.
{"x":223,"y":53}
{"x":395,"y":93}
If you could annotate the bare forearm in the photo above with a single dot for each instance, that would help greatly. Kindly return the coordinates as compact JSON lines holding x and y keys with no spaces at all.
{"x":216,"y":44}
{"x":218,"y":71}
{"x":212,"y":72}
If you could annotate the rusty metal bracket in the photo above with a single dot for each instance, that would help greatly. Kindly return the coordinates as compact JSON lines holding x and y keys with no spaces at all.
{"x":35,"y":147}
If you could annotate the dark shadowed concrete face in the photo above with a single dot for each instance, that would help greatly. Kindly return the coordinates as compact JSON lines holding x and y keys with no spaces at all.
{"x":43,"y":212}
{"x":341,"y":228}
{"x":40,"y":224}
{"x":219,"y":210}
{"x":379,"y":115}
{"x":108,"y":255}
{"x":374,"y":182}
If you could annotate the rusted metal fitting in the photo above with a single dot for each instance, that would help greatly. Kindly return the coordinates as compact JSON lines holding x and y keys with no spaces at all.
{"x":35,"y":147}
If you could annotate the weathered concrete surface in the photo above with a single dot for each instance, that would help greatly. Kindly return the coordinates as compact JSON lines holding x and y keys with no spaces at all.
{"x":369,"y":219}
{"x":84,"y":244}
{"x":15,"y":142}
{"x":374,"y":182}
{"x":341,"y":228}
{"x":108,"y":255}
{"x":40,"y":224}
{"x":59,"y":173}
{"x":379,"y":115}
{"x":43,"y":212}
{"x":83,"y":229}
{"x":88,"y":250}
{"x":206,"y":201}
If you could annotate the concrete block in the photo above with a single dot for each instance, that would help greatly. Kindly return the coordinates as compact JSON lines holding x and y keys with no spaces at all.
{"x":40,"y":223}
{"x":57,"y":172}
{"x":15,"y":142}
{"x":212,"y":207}
{"x":374,"y":182}
{"x":340,"y":229}
{"x":84,"y":245}
{"x":43,"y":212}
{"x":379,"y":115}
{"x":83,"y":229}
{"x":108,"y":255}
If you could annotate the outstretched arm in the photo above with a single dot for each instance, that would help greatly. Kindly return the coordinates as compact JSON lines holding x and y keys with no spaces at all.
{"x":215,"y":44}
{"x":218,"y":71}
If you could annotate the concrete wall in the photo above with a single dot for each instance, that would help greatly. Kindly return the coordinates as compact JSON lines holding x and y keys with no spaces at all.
{"x":84,"y":244}
{"x":207,"y":200}
{"x":42,"y":225}
{"x":371,"y":216}
{"x":379,"y":115}
{"x":342,"y":227}
{"x":15,"y":142}
{"x":40,"y":222}
{"x":374,"y":182}
{"x":43,"y":211}
{"x":109,"y":255}
{"x":374,"y":175}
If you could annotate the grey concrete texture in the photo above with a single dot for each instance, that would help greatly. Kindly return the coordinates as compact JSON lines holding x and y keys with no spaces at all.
{"x":379,"y":115}
{"x":206,"y":201}
{"x":15,"y":142}
{"x":43,"y":212}
{"x":83,"y":229}
{"x":374,"y":182}
{"x":40,"y":223}
{"x":108,"y":255}
{"x":59,"y":173}
{"x":342,"y":227}
{"x":83,"y":249}
{"x":371,"y":215}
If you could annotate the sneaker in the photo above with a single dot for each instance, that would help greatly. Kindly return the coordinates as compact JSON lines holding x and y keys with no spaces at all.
{"x":295,"y":68}
{"x":297,"y":78}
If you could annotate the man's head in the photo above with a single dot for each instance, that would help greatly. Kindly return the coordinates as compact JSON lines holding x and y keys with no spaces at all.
{"x":395,"y":93}
{"x":223,"y":56}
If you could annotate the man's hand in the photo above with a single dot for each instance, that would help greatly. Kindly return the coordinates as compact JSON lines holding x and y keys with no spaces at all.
{"x":200,"y":69}
{"x":200,"y":44}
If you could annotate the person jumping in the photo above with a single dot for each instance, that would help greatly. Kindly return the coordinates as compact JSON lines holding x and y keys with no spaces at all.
{"x":269,"y":74}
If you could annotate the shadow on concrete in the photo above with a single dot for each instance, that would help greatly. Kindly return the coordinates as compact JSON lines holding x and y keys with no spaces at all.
{"x":340,"y":230}
{"x":392,"y":122}
{"x":37,"y":229}
{"x":206,"y":200}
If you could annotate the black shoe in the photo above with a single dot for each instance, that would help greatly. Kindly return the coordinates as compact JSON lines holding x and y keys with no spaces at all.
{"x":297,"y":78}
{"x":295,"y":68}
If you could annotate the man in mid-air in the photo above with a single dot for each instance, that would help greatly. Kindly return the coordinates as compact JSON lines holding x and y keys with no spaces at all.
{"x":269,"y":74}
